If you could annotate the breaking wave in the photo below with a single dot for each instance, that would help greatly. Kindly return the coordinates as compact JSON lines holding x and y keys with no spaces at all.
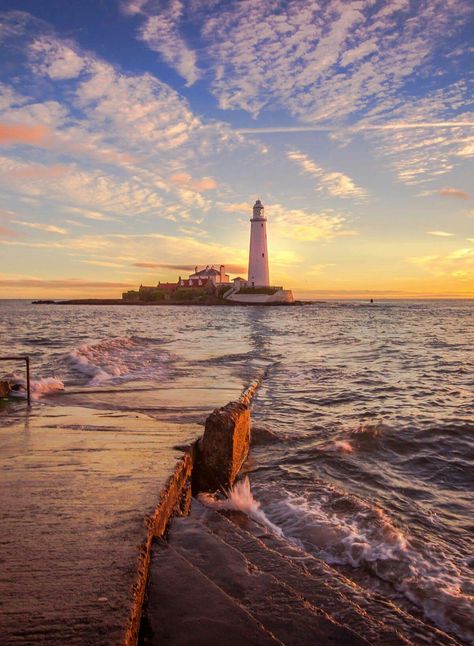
{"x":240,"y":498}
{"x":344,"y":530}
{"x":118,"y":359}
{"x":39,"y":388}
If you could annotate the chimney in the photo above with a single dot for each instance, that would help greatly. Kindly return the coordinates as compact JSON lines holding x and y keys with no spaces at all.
{"x":222,"y":268}
{"x":196,"y":269}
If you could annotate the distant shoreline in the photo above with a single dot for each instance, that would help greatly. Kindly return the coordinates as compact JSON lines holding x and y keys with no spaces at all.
{"x":119,"y":301}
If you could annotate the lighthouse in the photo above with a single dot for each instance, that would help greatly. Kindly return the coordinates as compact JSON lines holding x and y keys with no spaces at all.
{"x":258,"y":254}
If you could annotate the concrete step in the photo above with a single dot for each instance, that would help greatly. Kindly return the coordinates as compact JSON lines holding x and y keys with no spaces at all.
{"x":197,"y":567}
{"x":184,"y":607}
{"x":367,"y":613}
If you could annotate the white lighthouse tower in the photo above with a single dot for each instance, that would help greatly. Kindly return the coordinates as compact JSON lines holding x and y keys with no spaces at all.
{"x":258,"y":255}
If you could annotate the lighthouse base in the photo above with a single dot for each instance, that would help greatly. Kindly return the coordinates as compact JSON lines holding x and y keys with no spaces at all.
{"x":280,"y":296}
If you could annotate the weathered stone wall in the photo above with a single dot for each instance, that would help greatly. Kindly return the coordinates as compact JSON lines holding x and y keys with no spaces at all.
{"x":211,"y":463}
{"x":224,"y":447}
{"x":175,"y":500}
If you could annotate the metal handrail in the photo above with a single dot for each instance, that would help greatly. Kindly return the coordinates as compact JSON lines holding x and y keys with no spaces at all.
{"x":27,"y":359}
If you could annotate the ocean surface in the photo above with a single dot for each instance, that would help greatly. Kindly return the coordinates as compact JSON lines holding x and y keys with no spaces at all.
{"x":370,"y":411}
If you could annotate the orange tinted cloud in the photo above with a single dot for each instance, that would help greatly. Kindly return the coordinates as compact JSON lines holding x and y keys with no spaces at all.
{"x":5,"y":232}
{"x":40,"y":172}
{"x":184,"y":180}
{"x":454,"y":192}
{"x":22,"y":134}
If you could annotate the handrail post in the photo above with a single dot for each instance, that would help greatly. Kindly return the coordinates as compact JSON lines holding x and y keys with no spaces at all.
{"x":28,"y":388}
{"x":28,"y":383}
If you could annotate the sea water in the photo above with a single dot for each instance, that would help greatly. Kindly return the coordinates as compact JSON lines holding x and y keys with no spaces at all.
{"x":369,"y":407}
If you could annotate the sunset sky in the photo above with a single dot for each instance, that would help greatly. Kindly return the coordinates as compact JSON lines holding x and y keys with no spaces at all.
{"x":136,"y":135}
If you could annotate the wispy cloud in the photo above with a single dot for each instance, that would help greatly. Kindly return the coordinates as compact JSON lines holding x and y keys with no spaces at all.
{"x":335,"y":183}
{"x":321,"y":61}
{"x":458,"y":264}
{"x":6,"y":232}
{"x":298,"y":224}
{"x":185,"y":180}
{"x":421,"y":125}
{"x":453,"y":192}
{"x":160,"y":30}
{"x":440,"y":234}
{"x":157,"y":265}
{"x":122,"y":132}
{"x":42,"y":226}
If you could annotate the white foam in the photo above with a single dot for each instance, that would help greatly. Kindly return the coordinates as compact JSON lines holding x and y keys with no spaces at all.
{"x":118,"y":358}
{"x":46,"y":386}
{"x":39,"y":388}
{"x":344,"y":530}
{"x":240,"y":498}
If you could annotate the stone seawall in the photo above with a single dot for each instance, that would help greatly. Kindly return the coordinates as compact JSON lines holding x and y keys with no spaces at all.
{"x":175,"y":500}
{"x":211,"y":463}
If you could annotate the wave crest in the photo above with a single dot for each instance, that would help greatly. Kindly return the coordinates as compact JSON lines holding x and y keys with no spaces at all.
{"x":117,"y":359}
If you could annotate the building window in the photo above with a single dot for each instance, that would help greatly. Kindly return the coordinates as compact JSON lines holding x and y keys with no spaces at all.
{"x":262,"y":225}
{"x":263,"y":255}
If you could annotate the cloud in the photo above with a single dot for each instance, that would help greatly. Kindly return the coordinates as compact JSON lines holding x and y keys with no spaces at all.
{"x":69,"y":282}
{"x":441,"y":127}
{"x":334,"y":183}
{"x":92,"y":215}
{"x":232,"y":268}
{"x":298,"y":224}
{"x":453,"y":192}
{"x":33,"y":287}
{"x":41,"y":226}
{"x":55,"y":59}
{"x":102,"y":263}
{"x":23,"y":134}
{"x":118,"y":135}
{"x":160,"y":30}
{"x":185,"y":180}
{"x":458,"y":264}
{"x":5,"y":232}
{"x":235,"y":207}
{"x":157,"y":265}
{"x":321,"y":61}
{"x":362,"y":127}
{"x":441,"y":234}
{"x":40,"y":172}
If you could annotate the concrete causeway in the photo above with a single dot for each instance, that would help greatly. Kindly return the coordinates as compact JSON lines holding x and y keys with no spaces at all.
{"x":78,"y":489}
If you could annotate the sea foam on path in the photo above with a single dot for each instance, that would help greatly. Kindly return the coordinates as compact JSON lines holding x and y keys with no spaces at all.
{"x":117,"y":358}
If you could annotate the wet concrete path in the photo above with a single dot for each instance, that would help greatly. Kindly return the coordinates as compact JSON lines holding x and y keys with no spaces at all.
{"x":77,"y":485}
